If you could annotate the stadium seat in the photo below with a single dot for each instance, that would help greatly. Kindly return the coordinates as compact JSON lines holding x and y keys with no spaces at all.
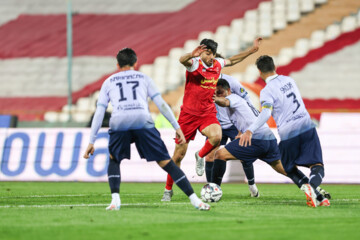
{"x":301,"y":47}
{"x":332,"y":32}
{"x":348,"y":24}
{"x":285,"y":56}
{"x":307,"y":6}
{"x":317,"y":39}
{"x":293,"y":11}
{"x":51,"y":117}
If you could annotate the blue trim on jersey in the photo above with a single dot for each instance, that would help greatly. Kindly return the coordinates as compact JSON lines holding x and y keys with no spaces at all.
{"x":101,"y":105}
{"x":155,"y":96}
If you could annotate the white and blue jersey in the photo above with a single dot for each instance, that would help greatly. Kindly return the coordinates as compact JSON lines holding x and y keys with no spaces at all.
{"x":288,"y":110}
{"x":236,"y":88}
{"x":128,"y":92}
{"x":242,"y":114}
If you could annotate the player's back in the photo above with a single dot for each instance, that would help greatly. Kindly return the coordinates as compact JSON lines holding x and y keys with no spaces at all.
{"x":242,"y":114}
{"x":289,"y":110}
{"x":128,"y":92}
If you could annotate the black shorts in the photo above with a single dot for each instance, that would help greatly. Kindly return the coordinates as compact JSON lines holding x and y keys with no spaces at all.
{"x":147,"y":141}
{"x":231,"y":133}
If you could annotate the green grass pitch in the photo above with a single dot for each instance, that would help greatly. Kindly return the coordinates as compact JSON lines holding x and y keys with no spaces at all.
{"x":74,"y":210}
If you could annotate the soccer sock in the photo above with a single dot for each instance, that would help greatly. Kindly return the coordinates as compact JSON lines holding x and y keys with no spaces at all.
{"x":249,"y":172}
{"x":208,"y":147}
{"x":218,"y":171}
{"x":316,"y":175}
{"x":169,"y":182}
{"x":179,"y":177}
{"x":208,"y":170}
{"x":298,"y":177}
{"x":114,"y":176}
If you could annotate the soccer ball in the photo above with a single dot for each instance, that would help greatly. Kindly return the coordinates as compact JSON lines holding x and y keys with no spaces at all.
{"x":211,"y":192}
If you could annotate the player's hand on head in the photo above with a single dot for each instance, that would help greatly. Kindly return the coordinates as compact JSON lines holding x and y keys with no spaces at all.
{"x":180,"y":136}
{"x":198,"y":50}
{"x":245,"y":139}
{"x":89,"y":151}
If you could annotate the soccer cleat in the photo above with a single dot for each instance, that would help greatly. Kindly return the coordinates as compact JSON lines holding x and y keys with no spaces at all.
{"x":113,"y":206}
{"x":324,"y":203}
{"x":167,"y":195}
{"x":324,"y":193}
{"x":254,"y":192}
{"x":310,"y":195}
{"x":200,"y":164}
{"x":203,"y":207}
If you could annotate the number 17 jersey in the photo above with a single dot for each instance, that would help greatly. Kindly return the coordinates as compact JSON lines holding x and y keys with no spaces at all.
{"x":128,"y":92}
{"x":283,"y":96}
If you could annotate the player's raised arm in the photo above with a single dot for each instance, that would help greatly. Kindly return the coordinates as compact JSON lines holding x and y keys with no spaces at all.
{"x":186,"y":58}
{"x":241,"y":56}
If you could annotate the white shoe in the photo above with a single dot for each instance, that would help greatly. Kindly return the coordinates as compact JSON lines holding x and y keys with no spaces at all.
{"x":254,"y":192}
{"x":200,"y":164}
{"x":310,"y":195}
{"x":113,"y":206}
{"x":203,"y":207}
{"x":167,"y":195}
{"x":324,"y":193}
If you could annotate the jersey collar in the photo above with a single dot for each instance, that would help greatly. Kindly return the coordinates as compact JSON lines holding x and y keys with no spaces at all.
{"x":268,"y":79}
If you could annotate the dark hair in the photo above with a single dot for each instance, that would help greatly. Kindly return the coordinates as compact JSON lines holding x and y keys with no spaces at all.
{"x":126,"y":56}
{"x":210,"y":44}
{"x":265,"y":64}
{"x":223,"y":83}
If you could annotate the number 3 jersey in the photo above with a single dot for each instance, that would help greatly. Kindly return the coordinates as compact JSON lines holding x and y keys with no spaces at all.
{"x":128,"y":92}
{"x":242,"y":114}
{"x":288,"y":110}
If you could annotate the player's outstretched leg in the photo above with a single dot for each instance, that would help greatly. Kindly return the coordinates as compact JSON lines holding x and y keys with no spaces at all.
{"x":179,"y":153}
{"x":183,"y":183}
{"x":250,"y":176}
{"x":114,"y":179}
{"x":316,"y":175}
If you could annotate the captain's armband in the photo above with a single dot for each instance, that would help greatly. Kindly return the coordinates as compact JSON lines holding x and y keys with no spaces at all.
{"x":267,"y":106}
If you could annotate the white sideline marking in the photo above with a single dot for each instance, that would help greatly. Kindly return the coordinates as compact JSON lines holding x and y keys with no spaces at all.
{"x":156,"y":204}
{"x":76,"y":195}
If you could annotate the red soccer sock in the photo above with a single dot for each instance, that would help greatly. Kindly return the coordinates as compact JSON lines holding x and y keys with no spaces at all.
{"x":208,"y":147}
{"x":169,"y":182}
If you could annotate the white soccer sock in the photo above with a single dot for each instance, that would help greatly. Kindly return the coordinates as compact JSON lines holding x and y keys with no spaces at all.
{"x":195,"y":201}
{"x":116,"y":198}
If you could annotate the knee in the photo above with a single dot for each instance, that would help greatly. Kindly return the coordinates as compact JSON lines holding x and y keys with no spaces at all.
{"x":177,"y":158}
{"x":215,"y":139}
{"x":220,"y":155}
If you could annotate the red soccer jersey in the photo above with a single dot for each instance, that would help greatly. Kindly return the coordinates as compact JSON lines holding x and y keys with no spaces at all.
{"x":200,"y":87}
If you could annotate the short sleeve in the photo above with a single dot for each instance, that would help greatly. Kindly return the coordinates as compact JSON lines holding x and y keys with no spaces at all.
{"x":266,"y":98}
{"x":194,"y":65}
{"x":103,"y":99}
{"x":221,"y":61}
{"x":234,"y":100}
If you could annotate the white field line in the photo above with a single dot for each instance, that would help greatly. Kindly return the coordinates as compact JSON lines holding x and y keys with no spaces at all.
{"x":74,"y":195}
{"x":160,"y":203}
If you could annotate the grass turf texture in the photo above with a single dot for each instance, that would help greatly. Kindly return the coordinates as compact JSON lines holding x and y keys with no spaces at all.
{"x":26,"y":212}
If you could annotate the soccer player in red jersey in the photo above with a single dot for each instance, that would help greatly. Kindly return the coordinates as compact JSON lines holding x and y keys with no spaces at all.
{"x":198,"y":111}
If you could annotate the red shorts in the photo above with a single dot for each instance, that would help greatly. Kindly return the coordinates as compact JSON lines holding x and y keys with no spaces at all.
{"x":190,"y":123}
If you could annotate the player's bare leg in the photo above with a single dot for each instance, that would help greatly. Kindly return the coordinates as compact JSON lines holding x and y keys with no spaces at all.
{"x":179,"y":154}
{"x":213,"y":132}
{"x":277,"y":166}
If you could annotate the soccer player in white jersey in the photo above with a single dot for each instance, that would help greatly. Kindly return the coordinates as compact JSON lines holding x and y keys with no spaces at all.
{"x":299,"y":145}
{"x":242,"y":114}
{"x":229,"y":131}
{"x":128,"y":91}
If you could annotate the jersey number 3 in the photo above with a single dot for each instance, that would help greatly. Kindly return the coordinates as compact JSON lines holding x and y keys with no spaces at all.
{"x":294,"y":101}
{"x":121,"y":89}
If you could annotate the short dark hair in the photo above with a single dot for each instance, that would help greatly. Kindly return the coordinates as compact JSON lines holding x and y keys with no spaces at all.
{"x":265,"y":64}
{"x":210,"y":44}
{"x":223,"y":83}
{"x":126,"y":56}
